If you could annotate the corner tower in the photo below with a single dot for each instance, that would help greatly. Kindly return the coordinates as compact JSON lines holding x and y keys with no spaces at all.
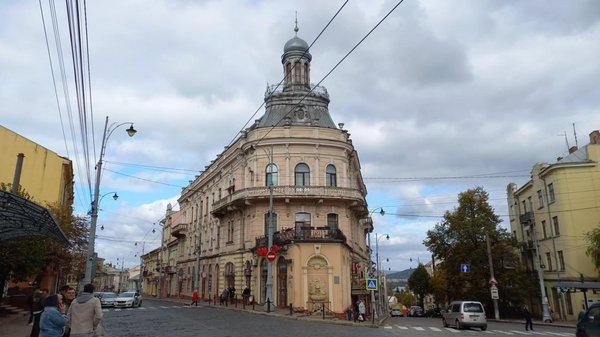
{"x":295,"y":101}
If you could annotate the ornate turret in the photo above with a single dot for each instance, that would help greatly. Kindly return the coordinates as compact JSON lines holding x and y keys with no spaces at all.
{"x":296,"y":102}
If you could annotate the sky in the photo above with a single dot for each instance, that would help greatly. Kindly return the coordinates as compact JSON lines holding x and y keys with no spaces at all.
{"x":441,"y":97}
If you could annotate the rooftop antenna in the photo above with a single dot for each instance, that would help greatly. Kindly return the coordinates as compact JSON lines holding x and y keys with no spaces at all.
{"x":566,"y":140}
{"x":575,"y":134}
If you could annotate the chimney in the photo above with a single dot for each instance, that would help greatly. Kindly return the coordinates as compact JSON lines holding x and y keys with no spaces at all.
{"x":572,"y":149}
{"x":595,"y":137}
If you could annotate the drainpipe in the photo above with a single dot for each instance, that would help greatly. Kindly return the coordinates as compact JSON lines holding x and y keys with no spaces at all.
{"x":17,"y":178}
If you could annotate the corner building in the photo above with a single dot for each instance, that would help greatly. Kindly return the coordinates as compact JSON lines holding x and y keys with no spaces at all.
{"x":298,"y":163}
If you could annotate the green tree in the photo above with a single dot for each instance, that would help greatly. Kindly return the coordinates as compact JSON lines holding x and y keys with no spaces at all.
{"x":593,"y":250}
{"x":460,"y":238}
{"x":405,"y":297}
{"x":419,"y":283}
{"x":439,"y":286}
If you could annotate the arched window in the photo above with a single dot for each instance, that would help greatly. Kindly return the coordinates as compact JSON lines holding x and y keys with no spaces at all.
{"x":302,"y":175}
{"x":229,"y":275}
{"x":330,"y":176}
{"x":271,"y":175}
{"x":288,"y":72}
{"x":297,"y":72}
{"x":267,"y":223}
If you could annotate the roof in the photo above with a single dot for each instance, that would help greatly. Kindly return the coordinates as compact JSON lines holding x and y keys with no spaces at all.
{"x":21,"y":218}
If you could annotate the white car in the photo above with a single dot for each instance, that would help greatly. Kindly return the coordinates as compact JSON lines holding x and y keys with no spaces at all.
{"x":108,"y":299}
{"x":129,"y":299}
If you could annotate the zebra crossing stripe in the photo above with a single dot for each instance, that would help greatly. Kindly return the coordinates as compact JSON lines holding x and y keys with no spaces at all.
{"x":520,"y":332}
{"x":452,"y":330}
{"x":387,"y":327}
{"x":401,"y":327}
{"x":504,"y":332}
{"x":435,"y":329}
{"x":418,"y":328}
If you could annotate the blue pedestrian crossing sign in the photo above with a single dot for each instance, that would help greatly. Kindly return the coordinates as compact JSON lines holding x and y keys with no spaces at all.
{"x":465,"y":267}
{"x":372,"y":284}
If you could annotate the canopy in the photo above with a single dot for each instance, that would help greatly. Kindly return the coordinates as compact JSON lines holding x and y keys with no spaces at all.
{"x":20,"y":218}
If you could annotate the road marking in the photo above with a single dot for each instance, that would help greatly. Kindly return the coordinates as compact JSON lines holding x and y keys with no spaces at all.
{"x":387,"y":327}
{"x":164,"y":307}
{"x":401,"y":327}
{"x":105,"y":310}
{"x":142,"y":308}
{"x":553,"y":333}
{"x":418,"y":328}
{"x":117,"y":309}
{"x":435,"y":329}
{"x":504,"y":332}
{"x":520,"y":332}
{"x":452,"y":330}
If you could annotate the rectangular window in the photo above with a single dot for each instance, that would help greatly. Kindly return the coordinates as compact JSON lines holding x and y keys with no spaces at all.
{"x":218,"y":237}
{"x":302,"y":225}
{"x":524,"y":207}
{"x":332,"y":221}
{"x":529,"y":204}
{"x":549,"y":260}
{"x":556,"y":227}
{"x":540,"y":198}
{"x":551,"y":192}
{"x":544,"y":229}
{"x":561,"y":261}
{"x":230,"y":231}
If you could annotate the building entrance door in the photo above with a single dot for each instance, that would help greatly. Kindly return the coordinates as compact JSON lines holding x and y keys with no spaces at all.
{"x":282,"y":283}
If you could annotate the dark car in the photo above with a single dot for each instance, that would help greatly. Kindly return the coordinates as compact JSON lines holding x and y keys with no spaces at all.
{"x":435,"y":312}
{"x":416,"y":311}
{"x":589,"y":325}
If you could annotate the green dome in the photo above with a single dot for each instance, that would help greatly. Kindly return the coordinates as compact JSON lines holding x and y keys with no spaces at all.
{"x":295,"y":44}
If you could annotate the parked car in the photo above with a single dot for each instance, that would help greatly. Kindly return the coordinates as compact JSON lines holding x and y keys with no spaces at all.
{"x":128,"y":299}
{"x":397,"y":310}
{"x":465,"y":314}
{"x":435,"y":312}
{"x":589,"y":325}
{"x":108,"y":299}
{"x":416,"y":311}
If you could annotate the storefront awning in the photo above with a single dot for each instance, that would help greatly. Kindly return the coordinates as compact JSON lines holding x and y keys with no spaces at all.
{"x":21,"y":218}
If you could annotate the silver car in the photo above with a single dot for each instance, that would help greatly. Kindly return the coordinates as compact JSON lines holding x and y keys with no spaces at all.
{"x":129,"y":299}
{"x":108,"y":299}
{"x":465,"y":314}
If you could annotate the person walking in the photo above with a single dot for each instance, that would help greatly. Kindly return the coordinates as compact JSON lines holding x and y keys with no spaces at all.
{"x":528,"y":322}
{"x":362,"y":310}
{"x":195,"y":298}
{"x":85,"y":314}
{"x":52,"y":321}
{"x":37,"y":308}
{"x":67,"y":300}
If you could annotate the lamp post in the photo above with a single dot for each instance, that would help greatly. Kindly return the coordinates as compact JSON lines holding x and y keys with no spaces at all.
{"x":382,"y":212}
{"x":91,"y":261}
{"x":115,"y":197}
{"x":141,"y":264}
{"x":377,"y":238}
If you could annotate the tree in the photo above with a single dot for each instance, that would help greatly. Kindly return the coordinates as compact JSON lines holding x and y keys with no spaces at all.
{"x":405,"y":297}
{"x":419,"y":283}
{"x":460,"y":238}
{"x":593,"y":250}
{"x":439,"y":286}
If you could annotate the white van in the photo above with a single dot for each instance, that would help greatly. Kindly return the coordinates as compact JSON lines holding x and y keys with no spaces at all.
{"x":465,"y":314}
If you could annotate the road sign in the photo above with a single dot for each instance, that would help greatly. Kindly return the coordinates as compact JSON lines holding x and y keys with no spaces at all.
{"x":271,"y":256}
{"x":494,"y":291}
{"x":372,"y":284}
{"x":209,"y":286}
{"x":465,"y":268}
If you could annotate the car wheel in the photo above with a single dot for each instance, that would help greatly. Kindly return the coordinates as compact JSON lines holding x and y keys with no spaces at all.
{"x":457,"y":324}
{"x":483,"y":328}
{"x":444,"y":323}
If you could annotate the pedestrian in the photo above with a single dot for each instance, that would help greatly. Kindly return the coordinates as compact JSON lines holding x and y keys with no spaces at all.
{"x":85,"y":314}
{"x":37,"y":307}
{"x":362,"y":310}
{"x":355,"y":311}
{"x":67,"y":300}
{"x":224,"y":296}
{"x":52,"y":321}
{"x":246,"y":295}
{"x":528,"y":323}
{"x":231,"y":294}
{"x":195,"y":298}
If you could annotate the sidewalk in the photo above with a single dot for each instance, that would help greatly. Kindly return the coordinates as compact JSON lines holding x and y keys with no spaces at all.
{"x":15,"y":326}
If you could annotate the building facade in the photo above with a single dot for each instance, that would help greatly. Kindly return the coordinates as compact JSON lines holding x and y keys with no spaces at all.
{"x":549,"y":216}
{"x":296,"y":171}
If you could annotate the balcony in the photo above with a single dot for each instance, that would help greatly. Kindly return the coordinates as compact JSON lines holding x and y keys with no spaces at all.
{"x":246,"y":195}
{"x":310,"y":234}
{"x":526,"y":218}
{"x":179,"y":230}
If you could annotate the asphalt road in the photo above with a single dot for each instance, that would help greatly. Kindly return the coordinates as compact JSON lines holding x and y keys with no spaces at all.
{"x":159,"y":318}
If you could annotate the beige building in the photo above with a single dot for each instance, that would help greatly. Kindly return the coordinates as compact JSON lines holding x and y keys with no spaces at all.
{"x":150,"y":272}
{"x":550,"y":214}
{"x":295,"y":161}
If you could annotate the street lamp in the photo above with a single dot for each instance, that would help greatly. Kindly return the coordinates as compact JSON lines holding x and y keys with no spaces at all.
{"x":382,"y":213}
{"x":115,"y":197}
{"x":90,"y":261}
{"x":270,"y":180}
{"x":377,"y":238}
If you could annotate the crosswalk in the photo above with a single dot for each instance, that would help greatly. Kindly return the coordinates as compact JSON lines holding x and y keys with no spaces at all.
{"x":457,"y":332}
{"x":149,"y":308}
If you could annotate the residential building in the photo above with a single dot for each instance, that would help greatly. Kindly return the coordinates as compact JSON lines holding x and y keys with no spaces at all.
{"x":150,"y":272}
{"x":549,"y":216}
{"x":293,"y":168}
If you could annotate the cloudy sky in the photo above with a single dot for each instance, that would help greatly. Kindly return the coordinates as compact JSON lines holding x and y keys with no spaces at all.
{"x":443,"y":96}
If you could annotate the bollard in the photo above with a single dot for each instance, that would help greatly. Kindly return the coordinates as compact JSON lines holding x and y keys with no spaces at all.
{"x":373,"y":316}
{"x":323,"y":309}
{"x":209,"y":300}
{"x":268,"y":304}
{"x":291,"y":310}
{"x":235,"y":300}
{"x":253,"y":302}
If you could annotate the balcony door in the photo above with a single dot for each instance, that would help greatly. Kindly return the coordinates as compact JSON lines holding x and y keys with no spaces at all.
{"x":282,"y":283}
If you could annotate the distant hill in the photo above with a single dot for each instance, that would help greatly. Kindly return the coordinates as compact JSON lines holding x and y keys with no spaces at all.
{"x":400,"y":275}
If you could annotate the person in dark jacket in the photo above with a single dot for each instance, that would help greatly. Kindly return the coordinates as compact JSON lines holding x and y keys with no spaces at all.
{"x":528,"y":323}
{"x":52,"y":321}
{"x":37,"y":307}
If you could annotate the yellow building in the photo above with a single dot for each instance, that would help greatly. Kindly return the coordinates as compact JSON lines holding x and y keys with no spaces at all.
{"x":46,"y":176}
{"x":550,"y":214}
{"x":296,"y":162}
